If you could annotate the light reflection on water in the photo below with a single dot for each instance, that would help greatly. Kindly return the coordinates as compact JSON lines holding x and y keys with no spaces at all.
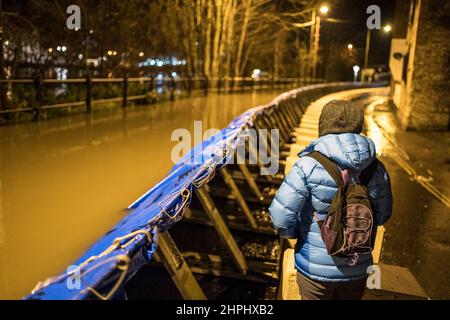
{"x":65,"y":182}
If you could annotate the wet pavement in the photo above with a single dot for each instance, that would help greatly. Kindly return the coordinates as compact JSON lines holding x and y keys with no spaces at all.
{"x":65,"y":182}
{"x":417,"y":235}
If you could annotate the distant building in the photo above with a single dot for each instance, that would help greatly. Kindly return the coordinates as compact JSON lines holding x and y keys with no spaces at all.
{"x":419,"y":64}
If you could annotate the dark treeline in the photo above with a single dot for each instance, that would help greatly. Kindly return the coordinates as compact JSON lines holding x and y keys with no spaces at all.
{"x":213,"y":38}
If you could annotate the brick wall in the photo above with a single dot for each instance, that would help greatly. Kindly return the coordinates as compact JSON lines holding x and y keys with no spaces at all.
{"x":427,"y":102}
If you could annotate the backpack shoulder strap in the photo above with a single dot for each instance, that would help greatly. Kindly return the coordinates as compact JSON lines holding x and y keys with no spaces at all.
{"x":366,"y":175}
{"x":330,"y":167}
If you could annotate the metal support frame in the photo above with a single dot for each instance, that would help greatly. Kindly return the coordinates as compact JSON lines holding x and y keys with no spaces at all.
{"x":251,"y":182}
{"x":172,"y":259}
{"x":229,"y":181}
{"x":253,"y":151}
{"x":222,"y":229}
{"x":197,"y":217}
{"x":218,"y":266}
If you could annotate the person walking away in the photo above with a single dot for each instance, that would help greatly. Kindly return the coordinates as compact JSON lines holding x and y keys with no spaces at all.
{"x":331,"y":201}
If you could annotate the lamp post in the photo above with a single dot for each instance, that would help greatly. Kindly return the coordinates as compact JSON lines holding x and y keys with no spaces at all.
{"x":315,"y":23}
{"x":315,"y":37}
{"x":366,"y":53}
{"x":386,"y":29}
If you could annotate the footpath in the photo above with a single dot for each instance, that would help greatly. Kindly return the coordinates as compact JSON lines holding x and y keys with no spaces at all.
{"x":412,"y":252}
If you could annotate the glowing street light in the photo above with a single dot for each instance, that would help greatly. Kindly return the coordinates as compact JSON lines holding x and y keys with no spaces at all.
{"x":256,"y":74}
{"x":324,"y":9}
{"x":110,"y":52}
{"x":355,"y":73}
{"x":141,"y":54}
{"x":50,"y":50}
{"x":350,"y":46}
{"x":387,"y":28}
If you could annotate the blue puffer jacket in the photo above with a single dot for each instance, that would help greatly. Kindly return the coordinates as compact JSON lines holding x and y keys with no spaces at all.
{"x":308,"y":184}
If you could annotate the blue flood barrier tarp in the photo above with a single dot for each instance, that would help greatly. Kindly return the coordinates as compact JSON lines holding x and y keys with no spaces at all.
{"x":119,"y":254}
{"x":99,"y":272}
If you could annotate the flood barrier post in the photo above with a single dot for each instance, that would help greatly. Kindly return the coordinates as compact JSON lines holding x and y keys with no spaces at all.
{"x":3,"y":102}
{"x":152,"y":84}
{"x":37,"y":96}
{"x":222,"y":229}
{"x":172,"y":86}
{"x":172,"y":259}
{"x":88,"y":94}
{"x":205,"y":85}
{"x":231,"y":84}
{"x":125,"y":92}
{"x":229,"y":181}
{"x":219,"y":84}
{"x":189,"y":85}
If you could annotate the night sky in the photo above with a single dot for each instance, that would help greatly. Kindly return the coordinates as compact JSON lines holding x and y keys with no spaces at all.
{"x":355,"y":32}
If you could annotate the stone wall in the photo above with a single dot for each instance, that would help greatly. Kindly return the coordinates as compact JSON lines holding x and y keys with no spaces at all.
{"x":427,"y":101}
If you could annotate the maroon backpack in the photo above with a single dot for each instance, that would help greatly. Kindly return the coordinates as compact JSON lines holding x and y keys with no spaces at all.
{"x":349,"y":229}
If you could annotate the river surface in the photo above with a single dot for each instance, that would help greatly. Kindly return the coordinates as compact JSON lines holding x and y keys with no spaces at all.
{"x":65,"y":182}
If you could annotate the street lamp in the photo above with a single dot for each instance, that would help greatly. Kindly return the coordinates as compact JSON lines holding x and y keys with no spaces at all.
{"x":355,"y":73}
{"x":314,"y":23}
{"x":387,"y":28}
{"x":315,"y":37}
{"x":350,"y":46}
{"x":324,"y":9}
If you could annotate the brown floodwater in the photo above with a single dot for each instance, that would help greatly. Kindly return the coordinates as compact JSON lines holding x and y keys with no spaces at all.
{"x":67,"y":181}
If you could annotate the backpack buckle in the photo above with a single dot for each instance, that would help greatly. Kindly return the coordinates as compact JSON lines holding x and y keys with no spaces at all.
{"x":345,"y":176}
{"x":354,"y":259}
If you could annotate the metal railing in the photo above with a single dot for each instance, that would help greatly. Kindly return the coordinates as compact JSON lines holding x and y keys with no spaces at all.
{"x":146,"y":87}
